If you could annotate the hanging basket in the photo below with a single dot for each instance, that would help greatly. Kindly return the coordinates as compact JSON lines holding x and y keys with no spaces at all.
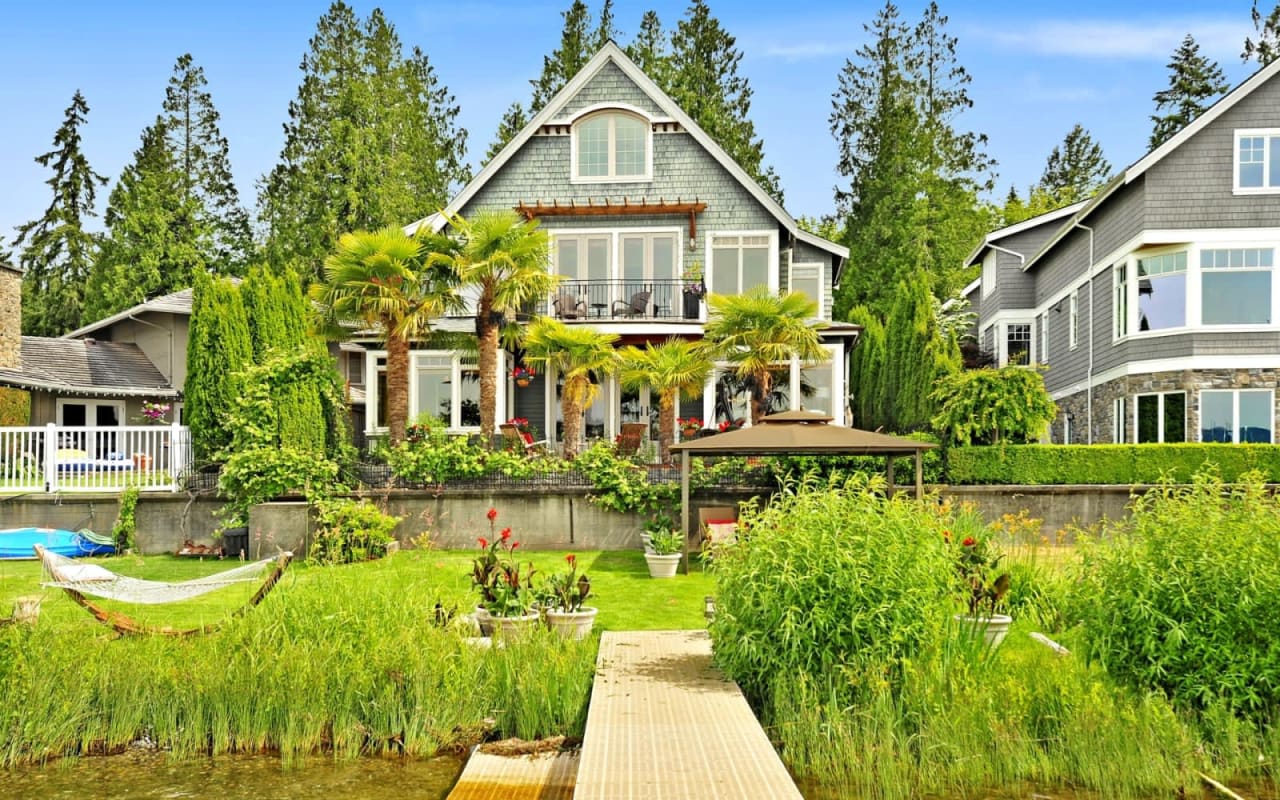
{"x":522,"y":382}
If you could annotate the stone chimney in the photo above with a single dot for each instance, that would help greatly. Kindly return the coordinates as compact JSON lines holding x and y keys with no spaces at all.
{"x":10,"y":317}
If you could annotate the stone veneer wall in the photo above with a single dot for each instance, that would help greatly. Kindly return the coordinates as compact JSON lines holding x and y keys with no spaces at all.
{"x":1188,"y":381}
{"x":10,"y":318}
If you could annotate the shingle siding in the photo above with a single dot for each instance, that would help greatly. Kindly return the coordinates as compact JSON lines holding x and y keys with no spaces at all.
{"x":610,"y":85}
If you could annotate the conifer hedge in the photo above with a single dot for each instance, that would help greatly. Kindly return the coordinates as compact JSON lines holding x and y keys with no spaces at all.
{"x":1042,"y":464}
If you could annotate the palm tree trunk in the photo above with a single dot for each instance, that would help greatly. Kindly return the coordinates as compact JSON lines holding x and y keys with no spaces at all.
{"x":666,"y":425}
{"x":488,"y":370}
{"x":397,"y":387}
{"x":571,"y":410}
{"x":760,"y":397}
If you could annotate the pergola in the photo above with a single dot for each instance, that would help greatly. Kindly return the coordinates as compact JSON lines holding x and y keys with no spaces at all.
{"x":796,"y":433}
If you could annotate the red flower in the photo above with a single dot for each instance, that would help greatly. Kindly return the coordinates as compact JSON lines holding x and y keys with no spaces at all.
{"x":572,"y":559}
{"x":969,"y":541}
{"x":946,"y":536}
{"x":514,"y":545}
{"x":484,"y":543}
{"x":506,"y":534}
{"x":492,"y":515}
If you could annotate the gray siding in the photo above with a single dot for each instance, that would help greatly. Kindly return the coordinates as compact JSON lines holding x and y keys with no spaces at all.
{"x":610,"y":85}
{"x":1067,"y":366}
{"x":1191,"y":186}
{"x":1117,"y":220}
{"x":1014,"y":288}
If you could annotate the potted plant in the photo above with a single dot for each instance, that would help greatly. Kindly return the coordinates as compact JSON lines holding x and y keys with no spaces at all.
{"x":523,"y":375}
{"x":694,"y":289}
{"x":566,"y":615}
{"x":689,"y":426}
{"x":506,"y":589}
{"x":983,"y":587}
{"x":667,"y":550}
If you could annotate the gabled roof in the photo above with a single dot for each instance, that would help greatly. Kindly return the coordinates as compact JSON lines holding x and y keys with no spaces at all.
{"x":612,"y":53}
{"x":176,"y":303}
{"x":1140,"y":167}
{"x":1020,"y":227}
{"x":86,"y":367}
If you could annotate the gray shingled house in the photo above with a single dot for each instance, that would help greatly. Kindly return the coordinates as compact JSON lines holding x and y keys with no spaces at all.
{"x":1154,"y":304}
{"x":637,"y":200}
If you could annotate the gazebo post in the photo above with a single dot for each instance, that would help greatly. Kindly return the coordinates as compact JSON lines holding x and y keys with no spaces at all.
{"x":684,"y":505}
{"x":892,"y":490}
{"x":919,"y":475}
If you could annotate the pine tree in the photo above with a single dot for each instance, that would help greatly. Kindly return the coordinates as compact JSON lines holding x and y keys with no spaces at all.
{"x":1267,"y":47}
{"x":372,"y":140}
{"x":866,"y":374}
{"x":513,"y":121}
{"x":703,"y":80}
{"x":201,"y":155}
{"x":650,"y":50}
{"x":153,"y":243}
{"x":57,"y":252}
{"x":219,"y":347}
{"x":1195,"y":81}
{"x":1075,"y":170}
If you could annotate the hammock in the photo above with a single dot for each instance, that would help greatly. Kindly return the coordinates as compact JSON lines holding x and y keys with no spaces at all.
{"x":78,"y":580}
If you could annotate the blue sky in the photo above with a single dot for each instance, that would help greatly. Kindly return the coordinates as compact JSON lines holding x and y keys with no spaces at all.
{"x":1038,"y":68}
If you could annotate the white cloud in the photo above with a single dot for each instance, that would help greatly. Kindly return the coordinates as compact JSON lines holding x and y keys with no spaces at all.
{"x":806,"y":51}
{"x":1121,"y":39}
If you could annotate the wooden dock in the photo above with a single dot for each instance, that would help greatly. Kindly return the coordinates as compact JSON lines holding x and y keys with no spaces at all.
{"x":665,"y":723}
{"x":545,"y":776}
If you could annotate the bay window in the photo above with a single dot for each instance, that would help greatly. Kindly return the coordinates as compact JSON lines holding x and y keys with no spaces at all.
{"x":1162,"y":291}
{"x":1235,"y":286}
{"x":1236,"y":415}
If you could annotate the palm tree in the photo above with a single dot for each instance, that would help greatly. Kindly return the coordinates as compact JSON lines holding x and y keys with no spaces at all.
{"x":389,"y":280}
{"x":506,"y":259}
{"x":758,"y":331}
{"x":675,"y":367}
{"x":578,"y":354}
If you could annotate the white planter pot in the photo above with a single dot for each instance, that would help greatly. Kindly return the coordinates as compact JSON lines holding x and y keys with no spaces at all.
{"x":662,"y":566}
{"x":572,"y":624}
{"x":484,"y":620}
{"x":993,"y":628}
{"x":646,"y":541}
{"x":515,"y":627}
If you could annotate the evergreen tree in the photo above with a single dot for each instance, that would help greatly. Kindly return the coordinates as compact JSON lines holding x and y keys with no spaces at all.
{"x":917,"y":356}
{"x":1016,"y":209}
{"x":201,"y":155}
{"x":866,"y":371}
{"x":1267,"y":46}
{"x":57,"y":252}
{"x":650,"y":50}
{"x":372,"y":140}
{"x":219,"y":347}
{"x":513,"y":121}
{"x":1195,"y":81}
{"x":703,"y":80}
{"x":1075,"y":170}
{"x":152,"y":244}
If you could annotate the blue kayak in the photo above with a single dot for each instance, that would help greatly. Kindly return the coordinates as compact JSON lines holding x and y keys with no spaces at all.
{"x":19,"y":543}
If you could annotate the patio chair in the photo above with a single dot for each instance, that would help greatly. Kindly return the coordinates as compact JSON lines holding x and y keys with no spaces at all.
{"x":630,"y":438}
{"x":638,"y":306}
{"x":569,"y":307}
{"x":515,"y":439}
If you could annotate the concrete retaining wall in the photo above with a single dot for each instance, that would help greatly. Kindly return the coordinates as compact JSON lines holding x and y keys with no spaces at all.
{"x":453,"y":520}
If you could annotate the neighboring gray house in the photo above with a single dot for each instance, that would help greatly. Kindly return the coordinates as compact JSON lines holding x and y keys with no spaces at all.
{"x":1154,"y":304}
{"x":636,"y":197}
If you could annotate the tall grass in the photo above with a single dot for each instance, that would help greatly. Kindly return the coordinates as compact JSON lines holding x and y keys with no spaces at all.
{"x":347,"y":660}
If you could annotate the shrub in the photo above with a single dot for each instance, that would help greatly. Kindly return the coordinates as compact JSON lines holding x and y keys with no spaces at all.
{"x":430,"y":455}
{"x":348,"y":531}
{"x":988,"y":405}
{"x":1184,"y":596}
{"x":1037,"y":464}
{"x":126,"y":524}
{"x":841,"y":585}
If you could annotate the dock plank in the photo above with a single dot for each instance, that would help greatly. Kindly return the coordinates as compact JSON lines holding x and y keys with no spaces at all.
{"x":664,"y":723}
{"x":545,"y":776}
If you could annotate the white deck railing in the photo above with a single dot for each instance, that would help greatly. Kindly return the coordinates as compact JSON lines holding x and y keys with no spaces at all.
{"x":61,"y":458}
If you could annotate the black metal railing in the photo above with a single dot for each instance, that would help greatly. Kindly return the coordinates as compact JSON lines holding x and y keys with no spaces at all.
{"x":625,"y":300}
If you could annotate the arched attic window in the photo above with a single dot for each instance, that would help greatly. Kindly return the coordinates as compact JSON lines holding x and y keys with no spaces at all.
{"x":612,"y":145}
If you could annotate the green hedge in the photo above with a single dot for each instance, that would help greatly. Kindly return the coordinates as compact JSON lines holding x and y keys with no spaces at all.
{"x":1042,"y":464}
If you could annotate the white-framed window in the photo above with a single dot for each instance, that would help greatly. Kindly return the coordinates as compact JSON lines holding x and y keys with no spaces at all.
{"x":1161,"y":417}
{"x":1073,"y":319}
{"x":741,"y":262}
{"x":1162,"y":291}
{"x":807,"y":279}
{"x":1120,"y":300}
{"x":612,"y":145}
{"x":1235,"y":286}
{"x":1120,"y":420}
{"x":989,"y":272}
{"x":1015,"y":346}
{"x":447,"y":387}
{"x":99,"y":416}
{"x":1257,"y":161}
{"x":1043,"y":356}
{"x":582,"y":257}
{"x":1237,"y":415}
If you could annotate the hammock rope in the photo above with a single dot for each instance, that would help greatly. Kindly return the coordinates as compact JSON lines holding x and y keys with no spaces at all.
{"x":77,"y":580}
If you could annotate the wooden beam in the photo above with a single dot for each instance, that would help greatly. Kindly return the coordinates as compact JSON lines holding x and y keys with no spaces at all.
{"x":607,"y":209}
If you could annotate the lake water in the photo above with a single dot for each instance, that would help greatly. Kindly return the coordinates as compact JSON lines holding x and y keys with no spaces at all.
{"x":150,"y":776}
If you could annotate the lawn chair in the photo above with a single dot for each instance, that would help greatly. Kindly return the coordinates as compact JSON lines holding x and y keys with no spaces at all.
{"x":630,"y":438}
{"x":515,"y":439}
{"x":569,"y":307}
{"x":719,"y":526}
{"x":638,"y":306}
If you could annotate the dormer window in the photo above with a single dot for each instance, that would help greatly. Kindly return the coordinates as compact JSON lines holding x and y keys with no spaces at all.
{"x":612,"y":146}
{"x":1257,"y":161}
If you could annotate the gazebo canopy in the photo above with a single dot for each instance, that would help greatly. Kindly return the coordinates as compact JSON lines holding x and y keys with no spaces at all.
{"x":796,"y":433}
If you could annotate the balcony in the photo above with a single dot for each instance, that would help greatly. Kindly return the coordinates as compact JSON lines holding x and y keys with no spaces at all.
{"x":624,"y":301}
{"x":58,"y":458}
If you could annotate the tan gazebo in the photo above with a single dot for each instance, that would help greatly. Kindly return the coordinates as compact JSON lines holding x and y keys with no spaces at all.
{"x":796,"y":433}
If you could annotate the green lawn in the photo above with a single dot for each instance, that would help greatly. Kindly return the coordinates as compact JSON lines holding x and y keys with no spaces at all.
{"x":627,"y":597}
